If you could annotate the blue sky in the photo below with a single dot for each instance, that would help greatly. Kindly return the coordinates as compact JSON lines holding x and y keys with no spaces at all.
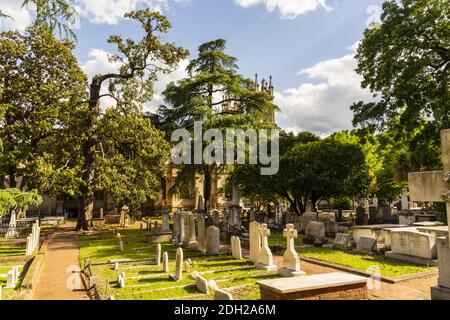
{"x":307,"y":45}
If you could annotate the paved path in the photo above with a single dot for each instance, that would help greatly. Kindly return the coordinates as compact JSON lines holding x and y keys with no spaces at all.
{"x":58,"y":281}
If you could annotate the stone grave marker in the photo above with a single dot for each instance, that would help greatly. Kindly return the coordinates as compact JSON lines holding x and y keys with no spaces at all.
{"x":265,"y":258}
{"x":187,"y":267}
{"x":222,"y":295}
{"x":291,"y":261}
{"x":236,"y":250}
{"x":202,"y":284}
{"x":212,"y":240}
{"x":365,"y":244}
{"x":342,"y":241}
{"x":255,"y":241}
{"x":305,"y":219}
{"x":165,"y":220}
{"x":158,"y":254}
{"x":201,"y":232}
{"x":216,"y":218}
{"x":178,"y":276}
{"x":165,"y":262}
{"x":314,"y":231}
{"x":189,"y":231}
{"x":119,"y":237}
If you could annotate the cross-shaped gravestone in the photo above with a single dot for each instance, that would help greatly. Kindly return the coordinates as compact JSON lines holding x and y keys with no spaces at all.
{"x":291,"y":261}
{"x":265,"y":258}
{"x":434,"y":186}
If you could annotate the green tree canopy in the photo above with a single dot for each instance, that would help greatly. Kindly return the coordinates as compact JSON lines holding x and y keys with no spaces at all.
{"x":406,"y":60}
{"x":217,"y":95}
{"x":310,"y":169}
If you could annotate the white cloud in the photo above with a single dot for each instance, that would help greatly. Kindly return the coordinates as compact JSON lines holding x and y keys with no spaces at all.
{"x":20,"y":17}
{"x":289,"y":9}
{"x":112,"y":11}
{"x":323,"y":107}
{"x":98,"y":64}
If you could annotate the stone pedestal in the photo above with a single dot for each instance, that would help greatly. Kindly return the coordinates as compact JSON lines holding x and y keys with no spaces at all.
{"x":442,"y":291}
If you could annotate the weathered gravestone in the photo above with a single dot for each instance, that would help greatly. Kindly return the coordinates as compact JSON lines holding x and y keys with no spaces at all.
{"x":201,"y":232}
{"x":365,"y":244}
{"x":178,"y":228}
{"x":222,"y":295}
{"x":265,"y":258}
{"x":178,"y":276}
{"x":212,"y":240}
{"x":314,"y":231}
{"x":329,"y":220}
{"x":255,"y":241}
{"x":434,"y":186}
{"x":165,"y":220}
{"x":291,"y":261}
{"x":216,"y":216}
{"x":119,"y":237}
{"x":304,"y":221}
{"x":189,"y":231}
{"x":165,"y":262}
{"x":158,"y":255}
{"x":202,"y":285}
{"x":342,"y":241}
{"x":236,"y":250}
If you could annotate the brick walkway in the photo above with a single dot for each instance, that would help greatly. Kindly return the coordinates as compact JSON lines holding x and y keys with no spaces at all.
{"x":57,"y":280}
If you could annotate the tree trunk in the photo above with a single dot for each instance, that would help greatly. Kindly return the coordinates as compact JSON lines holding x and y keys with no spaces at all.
{"x":87,"y":190}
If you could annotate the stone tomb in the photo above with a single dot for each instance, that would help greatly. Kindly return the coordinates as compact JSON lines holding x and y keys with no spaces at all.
{"x":373,"y":231}
{"x":365,"y":244}
{"x":265,"y":258}
{"x":413,"y":246}
{"x":314,"y":231}
{"x":291,"y":261}
{"x":329,"y":220}
{"x":327,"y":286}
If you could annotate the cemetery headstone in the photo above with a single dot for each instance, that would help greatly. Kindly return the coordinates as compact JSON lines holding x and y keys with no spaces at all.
{"x":165,"y":262}
{"x":255,"y":241}
{"x":189,"y":235}
{"x":165,"y":220}
{"x":119,"y":238}
{"x":365,"y":244}
{"x":212,"y":240}
{"x":291,"y":261}
{"x":265,"y":258}
{"x":342,"y":241}
{"x":202,"y":285}
{"x":222,"y":295}
{"x":179,"y":265}
{"x":216,"y":218}
{"x":201,"y":232}
{"x":158,"y":255}
{"x":314,"y":231}
{"x":187,"y":267}
{"x":236,"y":249}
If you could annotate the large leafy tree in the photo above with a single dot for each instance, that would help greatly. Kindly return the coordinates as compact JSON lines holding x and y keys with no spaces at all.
{"x":406,"y":59}
{"x":17,"y":200}
{"x":40,"y":83}
{"x":311,"y":169}
{"x":217,"y":95}
{"x":130,"y":87}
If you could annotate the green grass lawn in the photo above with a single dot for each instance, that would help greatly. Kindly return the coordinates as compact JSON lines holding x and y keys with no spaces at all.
{"x":388,"y":267}
{"x":144,"y":281}
{"x":10,"y":251}
{"x":5,"y":267}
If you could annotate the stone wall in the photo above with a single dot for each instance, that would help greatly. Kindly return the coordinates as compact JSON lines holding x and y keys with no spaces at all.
{"x":349,"y":292}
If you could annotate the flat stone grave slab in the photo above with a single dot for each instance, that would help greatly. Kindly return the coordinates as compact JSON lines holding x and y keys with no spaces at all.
{"x":327,"y":286}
